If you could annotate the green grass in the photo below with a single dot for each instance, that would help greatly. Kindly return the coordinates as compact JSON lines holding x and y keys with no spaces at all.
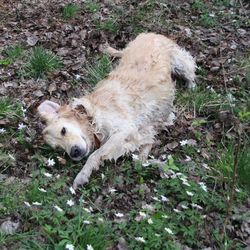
{"x":41,"y":62}
{"x":70,"y":10}
{"x":98,"y":70}
{"x":110,"y":25}
{"x":10,"y":109}
{"x":14,"y":51}
{"x":92,"y":6}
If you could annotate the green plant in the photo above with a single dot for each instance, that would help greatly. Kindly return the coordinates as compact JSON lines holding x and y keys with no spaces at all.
{"x":98,"y":70}
{"x":206,"y":20}
{"x":70,"y":10}
{"x":14,"y":51}
{"x":108,"y":25}
{"x":41,"y":62}
{"x":10,"y":109}
{"x":92,"y":6}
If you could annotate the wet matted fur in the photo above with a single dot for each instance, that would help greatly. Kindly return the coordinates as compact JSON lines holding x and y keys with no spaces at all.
{"x":126,"y":110}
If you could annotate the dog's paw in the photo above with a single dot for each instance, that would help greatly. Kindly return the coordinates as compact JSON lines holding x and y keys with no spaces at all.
{"x":80,"y":180}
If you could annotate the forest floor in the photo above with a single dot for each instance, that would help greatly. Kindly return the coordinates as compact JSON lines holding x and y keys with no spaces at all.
{"x":195,"y":194}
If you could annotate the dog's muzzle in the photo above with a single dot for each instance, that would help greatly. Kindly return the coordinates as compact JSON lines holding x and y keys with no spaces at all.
{"x":77,"y":153}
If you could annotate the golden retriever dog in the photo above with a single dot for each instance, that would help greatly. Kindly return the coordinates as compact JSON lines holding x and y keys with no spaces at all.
{"x":126,"y":110}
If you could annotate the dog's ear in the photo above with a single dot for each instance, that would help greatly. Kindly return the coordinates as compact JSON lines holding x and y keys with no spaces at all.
{"x":48,"y":109}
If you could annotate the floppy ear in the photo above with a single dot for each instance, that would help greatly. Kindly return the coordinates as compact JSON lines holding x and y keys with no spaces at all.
{"x":48,"y":109}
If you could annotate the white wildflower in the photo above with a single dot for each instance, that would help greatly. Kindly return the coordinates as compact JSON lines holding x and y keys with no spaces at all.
{"x":24,"y":110}
{"x":196,"y":206}
{"x":2,"y":130}
{"x":102,"y":176}
{"x":203,"y":186}
{"x":150,"y":221}
{"x":47,"y":175}
{"x":119,"y":215}
{"x":51,"y":162}
{"x":155,"y":198}
{"x":27,"y":203}
{"x":237,"y":190}
{"x":112,"y":190}
{"x":164,"y":198}
{"x":72,"y":190}
{"x":176,"y":210}
{"x":69,"y":247}
{"x":164,"y":216}
{"x":140,"y":239}
{"x":179,"y":174}
{"x":190,"y":193}
{"x":70,"y":203}
{"x":37,"y":203}
{"x":87,"y":210}
{"x":42,"y":190}
{"x":184,"y":206}
{"x":187,"y":159}
{"x":157,"y":235}
{"x":146,"y":164}
{"x":87,"y":222}
{"x":58,"y":208}
{"x":168,"y":230}
{"x":89,"y":247}
{"x":203,"y":216}
{"x":186,"y":183}
{"x":183,"y":142}
{"x":21,"y":126}
{"x":77,"y":77}
{"x":142,"y":214}
{"x":100,"y":219}
{"x":135,"y":157}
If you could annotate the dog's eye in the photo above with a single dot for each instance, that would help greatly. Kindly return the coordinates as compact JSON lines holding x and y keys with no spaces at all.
{"x":63,"y":131}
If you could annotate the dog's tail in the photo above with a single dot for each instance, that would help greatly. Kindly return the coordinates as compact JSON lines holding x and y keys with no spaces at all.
{"x":183,"y":66}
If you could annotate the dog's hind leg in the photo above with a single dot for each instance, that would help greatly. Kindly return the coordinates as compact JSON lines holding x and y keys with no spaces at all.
{"x":183,"y":65}
{"x":144,"y":152}
{"x":111,"y":51}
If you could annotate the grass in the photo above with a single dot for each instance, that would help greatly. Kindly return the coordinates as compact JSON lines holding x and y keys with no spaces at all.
{"x":70,"y":10}
{"x":110,"y":25}
{"x":98,"y":70}
{"x":92,"y":6}
{"x":14,"y":51}
{"x":10,"y":109}
{"x":41,"y":62}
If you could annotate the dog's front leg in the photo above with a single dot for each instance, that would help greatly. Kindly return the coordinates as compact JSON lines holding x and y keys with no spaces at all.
{"x":116,"y":146}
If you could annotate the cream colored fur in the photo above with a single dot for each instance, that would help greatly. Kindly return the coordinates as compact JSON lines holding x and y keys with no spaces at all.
{"x":129,"y":107}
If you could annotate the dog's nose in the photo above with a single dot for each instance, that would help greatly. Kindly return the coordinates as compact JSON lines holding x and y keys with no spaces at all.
{"x":75,"y":152}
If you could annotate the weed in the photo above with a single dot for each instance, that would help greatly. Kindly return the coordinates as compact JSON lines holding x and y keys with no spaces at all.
{"x":92,"y":6}
{"x":207,"y":21}
{"x":98,"y":70}
{"x":199,"y":5}
{"x":41,"y":62}
{"x":70,"y":10}
{"x":108,"y":25}
{"x":14,"y":51}
{"x":10,"y":109}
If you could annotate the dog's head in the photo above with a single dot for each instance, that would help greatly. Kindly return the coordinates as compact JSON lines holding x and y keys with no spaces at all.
{"x":66,"y":128}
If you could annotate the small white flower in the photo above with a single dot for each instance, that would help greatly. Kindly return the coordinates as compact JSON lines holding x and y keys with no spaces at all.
{"x":203,"y":186}
{"x":69,"y":247}
{"x":2,"y":130}
{"x":37,"y":203}
{"x":72,"y":190}
{"x":87,"y":210}
{"x":135,"y":157}
{"x":176,"y":210}
{"x":211,"y":14}
{"x":142,"y":214}
{"x":100,"y":219}
{"x":21,"y":126}
{"x":140,"y":239}
{"x":189,"y":193}
{"x":87,"y":222}
{"x":150,"y":221}
{"x":186,"y":183}
{"x":47,"y":175}
{"x":70,"y":203}
{"x":188,"y":158}
{"x":164,"y":198}
{"x":24,"y":110}
{"x":119,"y":215}
{"x":77,"y":77}
{"x":164,"y":216}
{"x":196,"y":206}
{"x":183,"y":142}
{"x":27,"y":203}
{"x":89,"y":247}
{"x":103,"y":176}
{"x":179,"y":174}
{"x":146,"y":164}
{"x":203,"y":216}
{"x":112,"y":190}
{"x":42,"y":190}
{"x":168,"y":230}
{"x":184,"y":206}
{"x":155,"y":198}
{"x":157,"y":235}
{"x":58,"y":208}
{"x":51,"y":162}
{"x":237,"y":190}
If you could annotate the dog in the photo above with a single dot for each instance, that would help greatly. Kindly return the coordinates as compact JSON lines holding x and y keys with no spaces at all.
{"x":126,"y":110}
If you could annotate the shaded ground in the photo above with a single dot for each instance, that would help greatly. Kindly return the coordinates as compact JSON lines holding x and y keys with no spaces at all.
{"x":217,"y":33}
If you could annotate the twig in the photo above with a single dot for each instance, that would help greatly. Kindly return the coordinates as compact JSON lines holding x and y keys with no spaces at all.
{"x":232,"y":194}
